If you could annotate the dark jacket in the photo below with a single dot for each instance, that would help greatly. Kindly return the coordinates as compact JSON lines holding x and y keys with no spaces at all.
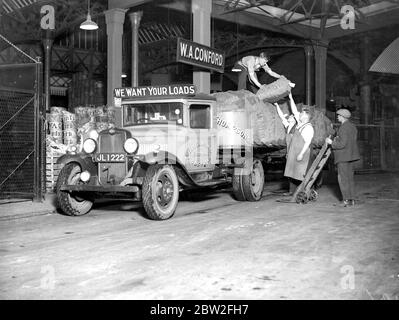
{"x":345,"y":143}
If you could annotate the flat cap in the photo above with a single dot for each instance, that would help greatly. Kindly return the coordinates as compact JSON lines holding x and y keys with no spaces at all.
{"x":344,"y":112}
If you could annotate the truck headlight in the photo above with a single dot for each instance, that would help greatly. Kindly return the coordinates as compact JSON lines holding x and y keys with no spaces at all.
{"x":131,"y":145}
{"x":93,"y":134}
{"x":89,"y":146}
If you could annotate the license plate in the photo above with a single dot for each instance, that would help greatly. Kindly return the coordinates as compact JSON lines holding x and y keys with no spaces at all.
{"x":110,"y":157}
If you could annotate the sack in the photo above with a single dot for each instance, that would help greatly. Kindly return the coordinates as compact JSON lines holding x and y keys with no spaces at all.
{"x":274,"y":91}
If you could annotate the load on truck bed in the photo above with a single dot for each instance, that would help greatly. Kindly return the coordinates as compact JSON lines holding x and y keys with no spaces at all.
{"x":246,"y":111}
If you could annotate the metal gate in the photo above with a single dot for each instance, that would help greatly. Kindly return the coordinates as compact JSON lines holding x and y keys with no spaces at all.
{"x":379,"y":147}
{"x":21,"y":130}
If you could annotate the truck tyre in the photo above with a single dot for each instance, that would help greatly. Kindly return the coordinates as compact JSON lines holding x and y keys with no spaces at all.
{"x":249,"y":187}
{"x":254,"y":183}
{"x":160,"y":192}
{"x":238,"y":189}
{"x":70,"y":204}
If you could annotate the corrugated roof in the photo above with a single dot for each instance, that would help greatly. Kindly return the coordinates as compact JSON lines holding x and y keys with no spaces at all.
{"x":10,"y":5}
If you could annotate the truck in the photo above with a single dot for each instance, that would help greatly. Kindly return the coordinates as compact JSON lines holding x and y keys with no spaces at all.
{"x":171,"y":138}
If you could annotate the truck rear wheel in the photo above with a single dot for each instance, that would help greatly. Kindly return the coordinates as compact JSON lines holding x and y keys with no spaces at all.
{"x":254,"y":183}
{"x":160,"y":192}
{"x":249,"y":187}
{"x":69,"y":203}
{"x":238,"y":189}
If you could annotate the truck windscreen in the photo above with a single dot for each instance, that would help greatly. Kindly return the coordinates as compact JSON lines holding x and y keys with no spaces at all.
{"x":153,"y":113}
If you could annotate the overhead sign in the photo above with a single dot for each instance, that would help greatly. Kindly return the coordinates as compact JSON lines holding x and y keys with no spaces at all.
{"x":48,"y":20}
{"x":199,"y":55}
{"x":155,"y":91}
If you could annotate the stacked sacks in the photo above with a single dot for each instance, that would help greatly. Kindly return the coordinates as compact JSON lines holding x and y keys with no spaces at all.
{"x":267,"y":129}
{"x":85,"y":121}
{"x":101,"y":116}
{"x":111,"y":116}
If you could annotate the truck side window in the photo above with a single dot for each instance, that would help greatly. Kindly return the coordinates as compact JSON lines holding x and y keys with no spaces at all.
{"x":200,"y":116}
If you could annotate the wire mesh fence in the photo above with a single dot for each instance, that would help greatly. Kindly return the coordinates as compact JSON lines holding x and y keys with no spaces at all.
{"x":20,"y":125}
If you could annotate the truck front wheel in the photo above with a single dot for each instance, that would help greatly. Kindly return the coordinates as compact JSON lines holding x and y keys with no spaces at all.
{"x":160,"y":192}
{"x":250,"y":186}
{"x":69,"y":203}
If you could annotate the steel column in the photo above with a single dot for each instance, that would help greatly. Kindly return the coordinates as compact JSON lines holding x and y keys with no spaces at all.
{"x":47,"y":45}
{"x":39,"y":140}
{"x":309,"y":74}
{"x":135,"y":18}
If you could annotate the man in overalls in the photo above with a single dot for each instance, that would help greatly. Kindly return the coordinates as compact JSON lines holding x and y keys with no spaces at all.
{"x":247,"y":66}
{"x":298,"y":151}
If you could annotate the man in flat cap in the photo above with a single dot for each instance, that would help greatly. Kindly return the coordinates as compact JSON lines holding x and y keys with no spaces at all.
{"x":346,"y":152}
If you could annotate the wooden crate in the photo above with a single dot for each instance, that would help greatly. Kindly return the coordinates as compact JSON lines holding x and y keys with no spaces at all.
{"x":52,"y":169}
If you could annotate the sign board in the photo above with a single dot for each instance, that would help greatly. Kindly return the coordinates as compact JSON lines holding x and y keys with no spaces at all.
{"x":199,"y":55}
{"x":172,"y":90}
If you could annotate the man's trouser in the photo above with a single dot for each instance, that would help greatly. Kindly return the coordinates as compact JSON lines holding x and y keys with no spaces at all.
{"x":346,"y":180}
{"x":243,"y":79}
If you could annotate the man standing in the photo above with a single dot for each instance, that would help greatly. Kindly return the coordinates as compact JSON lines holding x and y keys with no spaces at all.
{"x":346,"y":152}
{"x":247,"y":67}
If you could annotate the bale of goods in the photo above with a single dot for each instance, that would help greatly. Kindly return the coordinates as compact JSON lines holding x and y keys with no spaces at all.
{"x":323,"y":127}
{"x":85,"y":121}
{"x":264,"y":123}
{"x":274,"y":91}
{"x":101,"y":118}
{"x":57,"y":109}
{"x":70,"y":130}
{"x":111,"y":115}
{"x":82,"y":116}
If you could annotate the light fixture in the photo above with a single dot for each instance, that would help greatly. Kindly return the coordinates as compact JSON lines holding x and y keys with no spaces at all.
{"x":88,"y":24}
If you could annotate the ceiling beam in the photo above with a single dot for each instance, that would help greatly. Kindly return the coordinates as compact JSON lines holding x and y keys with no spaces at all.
{"x":125,"y":4}
{"x":251,"y":20}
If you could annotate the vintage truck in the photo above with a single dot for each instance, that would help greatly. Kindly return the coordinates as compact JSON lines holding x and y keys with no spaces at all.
{"x":170,"y":140}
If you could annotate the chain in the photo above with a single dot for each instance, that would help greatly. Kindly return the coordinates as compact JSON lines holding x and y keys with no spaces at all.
{"x":18,"y":49}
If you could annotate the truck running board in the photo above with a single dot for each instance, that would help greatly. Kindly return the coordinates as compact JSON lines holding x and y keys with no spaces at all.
{"x":102,"y":189}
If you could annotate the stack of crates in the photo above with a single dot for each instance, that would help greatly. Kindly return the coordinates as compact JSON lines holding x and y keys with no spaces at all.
{"x":52,"y":169}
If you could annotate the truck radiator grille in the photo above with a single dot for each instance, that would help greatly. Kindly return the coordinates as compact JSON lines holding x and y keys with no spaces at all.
{"x":111,"y":173}
{"x":112,"y":143}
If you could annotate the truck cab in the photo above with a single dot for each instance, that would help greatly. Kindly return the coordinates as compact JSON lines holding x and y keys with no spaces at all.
{"x":169,"y":140}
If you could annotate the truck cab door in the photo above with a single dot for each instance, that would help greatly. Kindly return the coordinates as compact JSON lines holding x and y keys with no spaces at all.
{"x":201,"y":139}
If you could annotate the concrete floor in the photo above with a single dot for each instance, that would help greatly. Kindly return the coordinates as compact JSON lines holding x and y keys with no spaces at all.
{"x":213,"y":248}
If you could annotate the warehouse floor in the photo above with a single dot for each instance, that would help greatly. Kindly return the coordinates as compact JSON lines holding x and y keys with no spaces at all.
{"x":213,"y":248}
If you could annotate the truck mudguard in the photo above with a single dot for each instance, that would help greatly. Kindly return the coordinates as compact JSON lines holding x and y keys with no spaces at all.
{"x":85,"y":162}
{"x":164,"y":157}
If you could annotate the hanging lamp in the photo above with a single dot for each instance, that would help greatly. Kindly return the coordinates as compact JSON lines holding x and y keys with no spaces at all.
{"x":88,"y":24}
